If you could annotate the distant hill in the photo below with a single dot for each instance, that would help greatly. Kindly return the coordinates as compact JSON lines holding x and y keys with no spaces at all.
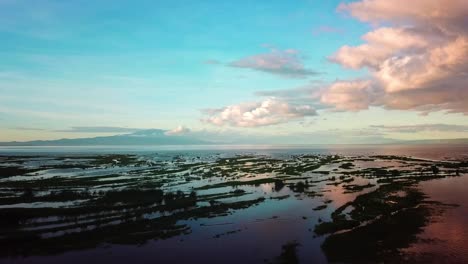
{"x":143,"y":137}
{"x":160,"y":137}
{"x":437,"y":141}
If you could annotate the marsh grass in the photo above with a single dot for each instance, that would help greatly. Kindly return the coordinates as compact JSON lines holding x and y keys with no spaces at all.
{"x":130,"y":199}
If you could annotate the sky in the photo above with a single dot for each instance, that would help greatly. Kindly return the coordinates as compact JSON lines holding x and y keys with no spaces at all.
{"x":299,"y":71}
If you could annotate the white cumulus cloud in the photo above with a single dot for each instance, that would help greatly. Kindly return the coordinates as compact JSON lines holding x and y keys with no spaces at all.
{"x":268,"y":112}
{"x":180,"y":130}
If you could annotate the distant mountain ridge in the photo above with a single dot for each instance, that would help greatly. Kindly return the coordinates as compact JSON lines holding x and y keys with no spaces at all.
{"x":438,"y":141}
{"x":143,"y":137}
{"x":161,"y":137}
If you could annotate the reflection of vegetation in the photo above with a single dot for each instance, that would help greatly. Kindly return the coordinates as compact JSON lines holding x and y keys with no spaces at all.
{"x":68,"y":203}
{"x":13,"y":171}
{"x":356,"y":188}
{"x":346,"y":166}
{"x":382,"y":221}
{"x":299,"y":186}
{"x":378,"y":241}
{"x":366,"y":207}
{"x":320,"y":207}
{"x":227,"y":233}
{"x":279,"y":184}
{"x":29,"y":196}
{"x":288,"y":254}
{"x":281,"y":197}
{"x":139,"y":196}
{"x":129,"y":226}
{"x":238,"y":183}
{"x":116,"y":159}
{"x":393,"y":157}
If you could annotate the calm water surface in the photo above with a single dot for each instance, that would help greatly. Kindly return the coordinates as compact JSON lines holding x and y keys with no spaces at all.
{"x":428,"y":151}
{"x":261,"y":230}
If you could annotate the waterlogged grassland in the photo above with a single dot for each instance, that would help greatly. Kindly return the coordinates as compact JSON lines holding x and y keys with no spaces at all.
{"x":357,"y":209}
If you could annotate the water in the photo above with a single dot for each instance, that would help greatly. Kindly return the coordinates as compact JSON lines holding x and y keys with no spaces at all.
{"x":447,"y":236}
{"x":257,"y":233}
{"x":429,"y":151}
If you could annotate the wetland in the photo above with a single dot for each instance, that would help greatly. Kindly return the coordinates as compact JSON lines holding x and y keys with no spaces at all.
{"x":236,"y":206}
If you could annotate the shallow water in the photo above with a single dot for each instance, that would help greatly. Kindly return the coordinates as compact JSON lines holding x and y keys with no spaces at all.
{"x":428,"y":151}
{"x":448,"y":235}
{"x":254,"y":234}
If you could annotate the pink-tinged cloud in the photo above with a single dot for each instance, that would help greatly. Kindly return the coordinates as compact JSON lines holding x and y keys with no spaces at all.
{"x":418,"y":61}
{"x":351,"y":95}
{"x":445,"y":14}
{"x":286,"y":63}
{"x":268,"y":112}
{"x":382,"y":44}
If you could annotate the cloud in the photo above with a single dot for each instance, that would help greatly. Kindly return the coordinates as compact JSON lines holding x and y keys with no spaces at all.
{"x":305,"y":91}
{"x":100,"y":129}
{"x":447,"y":14}
{"x":29,"y":129}
{"x":285,"y":63}
{"x":240,"y":136}
{"x":351,"y":95}
{"x":423,"y":127}
{"x":417,"y":61}
{"x":304,"y":95}
{"x":381,"y":44}
{"x":268,"y":112}
{"x":180,"y":130}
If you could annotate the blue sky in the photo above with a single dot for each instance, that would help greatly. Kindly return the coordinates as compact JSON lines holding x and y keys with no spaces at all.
{"x":161,"y":64}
